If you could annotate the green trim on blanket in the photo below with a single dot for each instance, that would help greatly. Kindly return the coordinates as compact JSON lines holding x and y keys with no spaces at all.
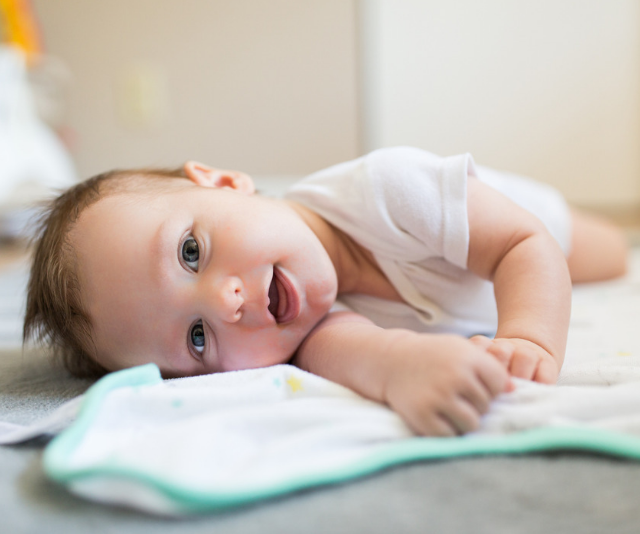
{"x":57,"y":452}
{"x":188,"y":500}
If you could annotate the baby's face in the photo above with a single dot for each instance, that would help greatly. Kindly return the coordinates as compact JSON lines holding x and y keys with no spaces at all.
{"x":200,"y":279}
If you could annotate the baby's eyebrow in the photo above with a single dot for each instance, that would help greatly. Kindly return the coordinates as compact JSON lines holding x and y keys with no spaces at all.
{"x":162,"y":248}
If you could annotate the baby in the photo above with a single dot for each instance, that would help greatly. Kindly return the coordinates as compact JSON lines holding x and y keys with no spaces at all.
{"x":191,"y":270}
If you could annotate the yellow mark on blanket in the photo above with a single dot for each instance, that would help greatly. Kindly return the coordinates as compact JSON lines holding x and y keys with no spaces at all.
{"x":622,"y":353}
{"x":294,"y":383}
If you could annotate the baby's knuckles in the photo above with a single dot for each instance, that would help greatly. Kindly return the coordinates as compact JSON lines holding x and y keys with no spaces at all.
{"x":528,"y":357}
{"x":431,"y":373}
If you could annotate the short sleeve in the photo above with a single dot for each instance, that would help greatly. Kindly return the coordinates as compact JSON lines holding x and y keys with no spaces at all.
{"x":425,"y":196}
{"x":403,"y":204}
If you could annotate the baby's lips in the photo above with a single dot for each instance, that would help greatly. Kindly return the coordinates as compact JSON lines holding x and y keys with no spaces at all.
{"x":289,"y":299}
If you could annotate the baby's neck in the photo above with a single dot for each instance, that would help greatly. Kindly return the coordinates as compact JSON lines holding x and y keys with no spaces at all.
{"x":356,"y":267}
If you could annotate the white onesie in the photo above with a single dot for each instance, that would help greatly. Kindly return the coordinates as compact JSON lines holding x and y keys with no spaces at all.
{"x":409,"y":208}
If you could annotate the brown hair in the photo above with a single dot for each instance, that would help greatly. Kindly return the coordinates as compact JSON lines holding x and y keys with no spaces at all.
{"x":55,"y":313}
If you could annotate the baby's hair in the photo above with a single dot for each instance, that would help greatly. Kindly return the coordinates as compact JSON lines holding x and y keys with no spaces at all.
{"x":55,"y":314}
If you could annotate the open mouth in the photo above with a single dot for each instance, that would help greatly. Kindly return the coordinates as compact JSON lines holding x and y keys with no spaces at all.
{"x":274,"y":297}
{"x":283,"y":304}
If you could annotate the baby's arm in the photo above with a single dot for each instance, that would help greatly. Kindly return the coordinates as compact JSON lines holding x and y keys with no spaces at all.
{"x":511,"y":247}
{"x":439,"y":384}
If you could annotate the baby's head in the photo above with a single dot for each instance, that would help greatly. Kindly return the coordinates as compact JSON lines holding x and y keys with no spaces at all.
{"x":186,"y":268}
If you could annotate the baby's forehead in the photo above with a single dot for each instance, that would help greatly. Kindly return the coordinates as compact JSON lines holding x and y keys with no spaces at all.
{"x":145,"y":184}
{"x":139,"y":193}
{"x":113,"y":242}
{"x":116,"y":206}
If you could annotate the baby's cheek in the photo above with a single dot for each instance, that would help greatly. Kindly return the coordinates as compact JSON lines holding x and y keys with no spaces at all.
{"x":251,"y":352}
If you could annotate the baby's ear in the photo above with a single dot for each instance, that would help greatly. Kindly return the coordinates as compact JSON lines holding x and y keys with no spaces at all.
{"x":206,"y":176}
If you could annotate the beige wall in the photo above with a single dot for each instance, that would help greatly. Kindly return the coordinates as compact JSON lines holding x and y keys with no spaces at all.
{"x":548,"y":88}
{"x":267,"y":86}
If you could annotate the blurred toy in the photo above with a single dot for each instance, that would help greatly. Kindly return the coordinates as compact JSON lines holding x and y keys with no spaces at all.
{"x":33,"y":161}
{"x":20,"y":28}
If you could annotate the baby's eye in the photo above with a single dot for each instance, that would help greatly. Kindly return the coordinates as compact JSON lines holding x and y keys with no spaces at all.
{"x":197,"y":336}
{"x":190,"y":253}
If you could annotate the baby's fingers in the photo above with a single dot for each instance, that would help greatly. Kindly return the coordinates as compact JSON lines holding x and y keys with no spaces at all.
{"x":429,"y":422}
{"x":481,"y":341}
{"x":503,"y":350}
{"x":453,"y":417}
{"x":436,"y":426}
{"x":478,"y":396}
{"x":547,"y":371}
{"x":524,"y":363}
{"x":494,"y":376}
{"x":463,"y":416}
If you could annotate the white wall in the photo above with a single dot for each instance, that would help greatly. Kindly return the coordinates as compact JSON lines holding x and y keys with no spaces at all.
{"x":547,"y":88}
{"x":267,"y":86}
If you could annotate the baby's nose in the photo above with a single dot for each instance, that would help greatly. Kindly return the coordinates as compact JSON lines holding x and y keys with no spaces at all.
{"x":229,"y":299}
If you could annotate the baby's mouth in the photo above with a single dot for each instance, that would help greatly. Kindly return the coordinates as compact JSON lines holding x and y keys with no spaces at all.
{"x":284,"y":304}
{"x":274,"y":296}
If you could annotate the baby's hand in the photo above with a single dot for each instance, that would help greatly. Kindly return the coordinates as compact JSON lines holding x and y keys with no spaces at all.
{"x":442,"y":384}
{"x":523,"y":358}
